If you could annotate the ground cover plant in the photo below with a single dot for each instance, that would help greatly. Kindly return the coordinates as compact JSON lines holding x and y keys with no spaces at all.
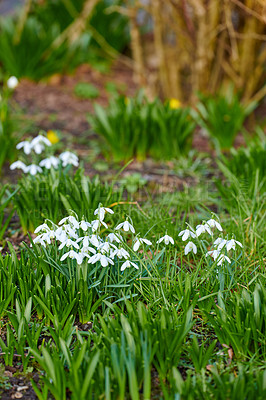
{"x":139,"y":127}
{"x":147,"y":280}
{"x":39,"y":42}
{"x":222,"y":117}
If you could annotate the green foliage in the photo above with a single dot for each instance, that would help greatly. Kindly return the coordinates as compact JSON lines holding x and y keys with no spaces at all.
{"x":86,"y":90}
{"x":241,"y":322}
{"x":133,"y":182}
{"x":136,"y":127}
{"x":54,"y":194}
{"x":29,"y":48}
{"x":7,"y":140}
{"x":222,"y":117}
{"x":5,"y":214}
{"x":29,"y":53}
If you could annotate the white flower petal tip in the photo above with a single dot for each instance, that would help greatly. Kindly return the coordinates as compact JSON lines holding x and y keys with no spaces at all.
{"x":140,"y":241}
{"x":166,"y":239}
{"x":12,"y":82}
{"x":186,"y":234}
{"x":33,"y":169}
{"x":50,"y":162}
{"x":18,"y":165}
{"x":101,"y":212}
{"x":126,"y":226}
{"x":190,"y":247}
{"x":222,"y":258}
{"x":202,"y":229}
{"x":212,"y":223}
{"x":128,"y":264}
{"x":69,"y":158}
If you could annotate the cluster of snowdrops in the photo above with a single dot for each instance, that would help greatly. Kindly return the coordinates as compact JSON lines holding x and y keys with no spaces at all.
{"x":37,"y":145}
{"x":84,"y":242}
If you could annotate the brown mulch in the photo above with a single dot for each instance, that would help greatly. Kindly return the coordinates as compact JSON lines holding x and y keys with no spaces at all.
{"x":54,"y":105}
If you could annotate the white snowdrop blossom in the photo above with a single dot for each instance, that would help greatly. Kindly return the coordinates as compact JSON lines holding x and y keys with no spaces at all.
{"x":71,"y":220}
{"x":214,"y":224}
{"x":213,"y":253}
{"x":69,"y":243}
{"x":101,"y":212}
{"x":73,"y":255}
{"x":12,"y":82}
{"x":84,"y":225}
{"x":113,"y":237}
{"x":186,"y":234}
{"x":202,"y":229}
{"x":120,"y":253}
{"x":140,"y":241}
{"x":190,"y":247}
{"x":128,"y":264}
{"x":43,"y":227}
{"x":69,"y":158}
{"x":95,"y":225}
{"x":50,"y":162}
{"x":95,"y":240}
{"x":38,"y":144}
{"x":166,"y":239}
{"x":33,"y":169}
{"x":104,"y":260}
{"x":222,"y":258}
{"x":231,"y":244}
{"x":25,"y":145}
{"x":219,"y":243}
{"x":40,"y":239}
{"x":18,"y":165}
{"x":126,"y":226}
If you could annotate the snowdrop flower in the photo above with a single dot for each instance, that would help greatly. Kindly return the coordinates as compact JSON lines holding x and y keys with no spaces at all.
{"x":73,"y":255}
{"x":25,"y":145}
{"x":39,"y":239}
{"x":186,"y":233}
{"x":43,"y":227}
{"x":60,"y":235}
{"x":38,"y":144}
{"x":101,"y":211}
{"x":219,"y":243}
{"x":112,"y":237}
{"x":213,"y":253}
{"x":68,"y":243}
{"x":140,"y":241}
{"x":33,"y":169}
{"x":127,"y":264}
{"x":214,"y":224}
{"x":231,"y":244}
{"x":49,"y":162}
{"x":126,"y":226}
{"x":86,"y":245}
{"x":190,"y":247}
{"x":70,"y":219}
{"x":167,"y":239}
{"x":70,"y":231}
{"x":94,"y":239}
{"x":19,"y":165}
{"x":84,"y":225}
{"x":223,"y":258}
{"x":120,"y":253}
{"x":12,"y":82}
{"x":69,"y":158}
{"x":95,"y":225}
{"x":104,"y":260}
{"x":105,"y":247}
{"x":202,"y":229}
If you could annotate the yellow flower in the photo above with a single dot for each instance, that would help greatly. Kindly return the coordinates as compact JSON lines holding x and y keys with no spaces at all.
{"x":52,"y":137}
{"x":174,"y":103}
